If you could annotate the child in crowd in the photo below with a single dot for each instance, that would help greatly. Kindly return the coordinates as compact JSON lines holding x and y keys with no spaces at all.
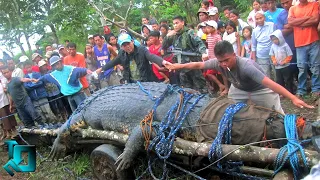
{"x":207,"y":4}
{"x":281,"y":55}
{"x":246,"y":44}
{"x":38,"y":94}
{"x":155,"y":48}
{"x":212,"y":39}
{"x":221,"y":28}
{"x":232,"y":36}
{"x":202,"y":26}
{"x":8,"y":124}
{"x":251,"y":18}
{"x":264,"y":5}
{"x":91,"y":63}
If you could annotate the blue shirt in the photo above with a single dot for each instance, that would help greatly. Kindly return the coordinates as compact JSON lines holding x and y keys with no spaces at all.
{"x":273,"y":16}
{"x":67,"y":79}
{"x":103,"y":57}
{"x":261,"y":42}
{"x":283,"y":20}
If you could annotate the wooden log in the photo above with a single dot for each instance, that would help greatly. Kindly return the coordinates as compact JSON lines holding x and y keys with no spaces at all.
{"x":189,"y":148}
{"x":241,"y":153}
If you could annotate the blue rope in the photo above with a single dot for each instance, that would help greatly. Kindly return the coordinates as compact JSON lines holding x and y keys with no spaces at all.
{"x":153,"y":98}
{"x":163,"y":142}
{"x":291,"y":149}
{"x":224,"y":131}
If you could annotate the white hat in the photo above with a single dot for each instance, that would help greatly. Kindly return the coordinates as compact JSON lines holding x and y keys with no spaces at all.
{"x":212,"y":24}
{"x":213,"y":11}
{"x":203,"y":24}
{"x":90,"y":36}
{"x":23,"y":59}
{"x":41,"y":63}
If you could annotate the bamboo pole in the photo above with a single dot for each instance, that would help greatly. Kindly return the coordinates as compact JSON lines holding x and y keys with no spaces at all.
{"x":189,"y":148}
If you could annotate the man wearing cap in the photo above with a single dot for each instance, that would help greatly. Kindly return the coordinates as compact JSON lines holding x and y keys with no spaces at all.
{"x":202,"y":14}
{"x":103,"y":53}
{"x":91,"y":40}
{"x":67,"y":78}
{"x":183,"y":39}
{"x":214,"y":14}
{"x":135,"y":61}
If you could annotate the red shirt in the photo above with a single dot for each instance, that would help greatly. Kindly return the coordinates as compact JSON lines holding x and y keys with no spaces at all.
{"x":34,"y":69}
{"x":212,"y":40}
{"x":77,"y":61}
{"x":156,"y":51}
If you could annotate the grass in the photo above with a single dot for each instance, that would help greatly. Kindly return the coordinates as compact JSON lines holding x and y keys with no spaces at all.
{"x":72,"y":167}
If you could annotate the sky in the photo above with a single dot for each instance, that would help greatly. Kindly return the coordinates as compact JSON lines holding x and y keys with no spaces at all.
{"x":33,"y":40}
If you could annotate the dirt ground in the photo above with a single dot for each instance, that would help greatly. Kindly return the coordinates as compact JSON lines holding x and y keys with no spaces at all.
{"x":77,"y":166}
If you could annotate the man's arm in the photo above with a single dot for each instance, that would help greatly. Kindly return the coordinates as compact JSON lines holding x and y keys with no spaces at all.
{"x":197,"y":42}
{"x":112,"y":51}
{"x":293,"y":21}
{"x":253,"y":46}
{"x":191,"y":65}
{"x":110,"y":64}
{"x":153,"y":58}
{"x":282,"y":91}
{"x":168,"y":40}
{"x":312,"y":21}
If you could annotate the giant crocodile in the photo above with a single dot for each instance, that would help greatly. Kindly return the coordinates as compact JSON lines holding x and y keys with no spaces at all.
{"x":121,"y":108}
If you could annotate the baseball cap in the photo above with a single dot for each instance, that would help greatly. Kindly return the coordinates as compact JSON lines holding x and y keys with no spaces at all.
{"x":123,"y":38}
{"x":41,"y":63}
{"x":34,"y":55}
{"x":203,"y":24}
{"x":212,"y":24}
{"x":54,"y":59}
{"x":23,"y":59}
{"x":90,"y":36}
{"x":60,"y":47}
{"x":202,"y":10}
{"x":221,"y":24}
{"x":213,"y":11}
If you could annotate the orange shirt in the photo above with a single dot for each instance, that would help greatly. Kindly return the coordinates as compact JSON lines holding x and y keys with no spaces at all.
{"x":304,"y":35}
{"x":77,"y":61}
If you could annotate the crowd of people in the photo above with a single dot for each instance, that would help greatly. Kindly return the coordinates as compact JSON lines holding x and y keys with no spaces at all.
{"x":280,"y":44}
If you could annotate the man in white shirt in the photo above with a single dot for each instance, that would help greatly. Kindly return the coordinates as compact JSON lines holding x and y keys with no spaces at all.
{"x":16,"y":72}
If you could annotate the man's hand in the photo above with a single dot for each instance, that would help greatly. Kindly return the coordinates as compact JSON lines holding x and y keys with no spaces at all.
{"x":120,"y":67}
{"x":282,"y":63}
{"x":275,"y":63}
{"x":205,"y":57}
{"x":171,"y":33}
{"x":174,"y":66}
{"x":98,"y":71}
{"x":34,"y":80}
{"x":224,"y":92}
{"x":300,"y":104}
{"x":164,"y":62}
{"x":11,"y":109}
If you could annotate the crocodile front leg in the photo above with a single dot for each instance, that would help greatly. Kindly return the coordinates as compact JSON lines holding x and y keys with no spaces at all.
{"x":134,"y":144}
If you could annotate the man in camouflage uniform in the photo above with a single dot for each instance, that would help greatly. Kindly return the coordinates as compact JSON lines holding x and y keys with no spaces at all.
{"x":185,"y":40}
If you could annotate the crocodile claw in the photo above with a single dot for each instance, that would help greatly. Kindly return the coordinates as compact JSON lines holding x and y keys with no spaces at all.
{"x":123,"y":161}
{"x":58,"y":149}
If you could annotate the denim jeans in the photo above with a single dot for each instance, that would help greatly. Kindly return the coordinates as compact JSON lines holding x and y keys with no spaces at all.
{"x":75,"y":99}
{"x":28,"y":114}
{"x":308,"y":57}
